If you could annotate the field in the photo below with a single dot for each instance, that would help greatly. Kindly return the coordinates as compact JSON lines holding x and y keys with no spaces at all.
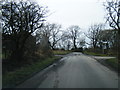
{"x":61,"y":52}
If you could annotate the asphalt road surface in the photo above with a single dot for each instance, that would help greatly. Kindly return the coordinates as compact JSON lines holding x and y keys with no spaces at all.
{"x":75,"y":70}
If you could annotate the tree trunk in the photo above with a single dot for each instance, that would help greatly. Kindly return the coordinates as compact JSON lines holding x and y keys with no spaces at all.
{"x":74,"y":43}
{"x":118,"y":48}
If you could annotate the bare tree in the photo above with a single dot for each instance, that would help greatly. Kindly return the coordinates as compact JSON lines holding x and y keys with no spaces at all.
{"x":81,"y":42}
{"x":113,"y":13}
{"x":74,"y":32}
{"x":20,"y":20}
{"x":51,"y":32}
{"x":94,"y":34}
{"x":113,"y":18}
{"x":66,"y":40}
{"x":43,"y":39}
{"x":55,"y":36}
{"x":45,"y":31}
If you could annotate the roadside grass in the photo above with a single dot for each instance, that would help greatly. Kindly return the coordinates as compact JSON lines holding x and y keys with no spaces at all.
{"x":95,"y":54}
{"x":1,"y":55}
{"x":61,"y":52}
{"x":113,"y":63}
{"x":4,"y":56}
{"x":11,"y":79}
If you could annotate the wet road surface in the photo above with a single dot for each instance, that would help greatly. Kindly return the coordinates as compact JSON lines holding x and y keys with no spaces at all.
{"x":75,"y":70}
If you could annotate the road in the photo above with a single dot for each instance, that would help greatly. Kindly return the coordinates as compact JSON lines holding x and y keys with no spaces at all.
{"x":75,"y":70}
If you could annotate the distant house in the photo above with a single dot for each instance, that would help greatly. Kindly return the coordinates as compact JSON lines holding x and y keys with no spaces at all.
{"x":108,"y":39}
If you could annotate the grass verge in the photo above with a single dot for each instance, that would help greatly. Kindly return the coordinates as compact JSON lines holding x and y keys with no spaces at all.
{"x":61,"y":52}
{"x":0,"y":55}
{"x":113,"y":63}
{"x":95,"y":54}
{"x":11,"y":79}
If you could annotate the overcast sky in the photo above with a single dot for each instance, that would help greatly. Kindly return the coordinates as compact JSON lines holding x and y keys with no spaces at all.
{"x":75,"y":12}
